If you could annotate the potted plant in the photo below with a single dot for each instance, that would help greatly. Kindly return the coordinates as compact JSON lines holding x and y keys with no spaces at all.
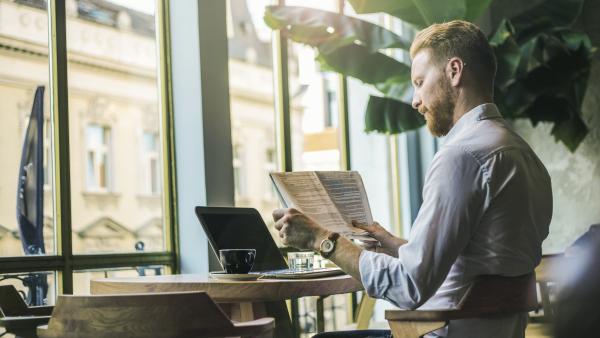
{"x":543,"y":62}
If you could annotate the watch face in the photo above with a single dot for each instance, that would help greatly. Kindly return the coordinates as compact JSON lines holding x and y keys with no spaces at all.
{"x":327,"y":246}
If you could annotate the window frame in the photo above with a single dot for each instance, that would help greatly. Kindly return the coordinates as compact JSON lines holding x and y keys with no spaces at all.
{"x":64,"y":262}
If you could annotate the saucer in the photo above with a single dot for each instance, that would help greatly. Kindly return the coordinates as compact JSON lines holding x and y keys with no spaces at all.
{"x":234,"y":276}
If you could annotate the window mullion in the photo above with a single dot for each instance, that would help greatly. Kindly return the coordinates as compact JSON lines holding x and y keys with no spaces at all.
{"x":166,"y":136}
{"x":344,"y":124}
{"x":282,"y":100}
{"x":59,"y":107}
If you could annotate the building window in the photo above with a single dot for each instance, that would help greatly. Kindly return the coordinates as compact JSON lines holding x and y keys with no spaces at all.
{"x":270,"y":166}
{"x":150,"y":164}
{"x":97,"y":156}
{"x":331,"y":100}
{"x":238,"y":171}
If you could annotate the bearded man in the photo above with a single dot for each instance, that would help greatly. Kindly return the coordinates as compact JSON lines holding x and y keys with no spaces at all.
{"x":487,"y":198}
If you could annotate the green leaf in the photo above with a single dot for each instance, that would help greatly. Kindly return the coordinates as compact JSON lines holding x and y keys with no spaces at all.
{"x":571,"y":132}
{"x":329,"y":31}
{"x":398,"y":88}
{"x":475,"y":8}
{"x":391,"y":116}
{"x":548,"y":15}
{"x":436,"y":11}
{"x":356,"y":61}
{"x":561,"y":68}
{"x":405,"y":10}
{"x":422,"y":13}
{"x":508,"y":54}
{"x":376,"y":6}
{"x":568,"y":126}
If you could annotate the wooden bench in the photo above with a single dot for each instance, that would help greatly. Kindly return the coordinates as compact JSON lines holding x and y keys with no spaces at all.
{"x":168,"y":315}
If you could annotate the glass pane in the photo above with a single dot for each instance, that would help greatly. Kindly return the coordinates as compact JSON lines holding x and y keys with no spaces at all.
{"x":252,"y":107}
{"x":314,"y":101}
{"x":36,"y":288}
{"x":25,"y":133}
{"x":82,"y":278}
{"x":335,"y":312}
{"x":113,"y":108}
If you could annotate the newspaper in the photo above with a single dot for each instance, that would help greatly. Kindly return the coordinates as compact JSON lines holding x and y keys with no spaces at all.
{"x":332,"y":198}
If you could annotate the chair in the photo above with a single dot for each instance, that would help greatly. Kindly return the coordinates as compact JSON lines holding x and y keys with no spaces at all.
{"x":16,"y":317}
{"x":488,"y":296}
{"x":540,"y":322}
{"x":168,"y":315}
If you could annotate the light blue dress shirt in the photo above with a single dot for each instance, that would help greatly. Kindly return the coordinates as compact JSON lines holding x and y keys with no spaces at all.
{"x":487,"y":206}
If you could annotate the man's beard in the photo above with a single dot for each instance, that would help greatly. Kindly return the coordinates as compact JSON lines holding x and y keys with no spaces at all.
{"x":441,"y":112}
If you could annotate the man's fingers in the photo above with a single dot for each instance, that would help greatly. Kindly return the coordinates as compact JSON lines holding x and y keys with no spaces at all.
{"x":364,"y":226}
{"x":278,"y":213}
{"x":360,"y":225}
{"x":280,"y":223}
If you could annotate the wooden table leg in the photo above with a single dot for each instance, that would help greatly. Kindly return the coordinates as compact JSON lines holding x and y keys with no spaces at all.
{"x":365,"y":312}
{"x":402,"y":329}
{"x":248,"y":311}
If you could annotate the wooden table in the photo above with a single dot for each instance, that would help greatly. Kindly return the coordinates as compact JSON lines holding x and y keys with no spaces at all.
{"x":242,"y":300}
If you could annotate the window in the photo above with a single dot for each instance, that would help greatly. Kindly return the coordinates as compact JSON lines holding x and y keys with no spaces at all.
{"x":238,"y":173}
{"x":23,"y":67}
{"x":150,"y":164}
{"x":314,"y":104}
{"x":270,"y":166}
{"x":251,"y":101}
{"x":114,"y":94}
{"x":97,"y":156}
{"x":331,"y":101}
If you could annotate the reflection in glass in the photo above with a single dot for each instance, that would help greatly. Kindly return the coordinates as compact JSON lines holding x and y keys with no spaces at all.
{"x":114,"y":121}
{"x":36,"y":288}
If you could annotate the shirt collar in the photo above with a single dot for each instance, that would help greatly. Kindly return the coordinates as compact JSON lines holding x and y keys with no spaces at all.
{"x":481,"y":112}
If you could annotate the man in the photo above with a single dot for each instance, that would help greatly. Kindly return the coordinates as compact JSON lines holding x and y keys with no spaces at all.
{"x":487,"y":200}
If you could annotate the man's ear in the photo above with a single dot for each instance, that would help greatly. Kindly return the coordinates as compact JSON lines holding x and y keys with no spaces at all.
{"x":454,"y":70}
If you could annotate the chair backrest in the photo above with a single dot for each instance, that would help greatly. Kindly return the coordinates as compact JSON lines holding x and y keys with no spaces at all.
{"x":182,"y":314}
{"x":500,"y":295}
{"x":546,"y":278}
{"x":11,"y":302}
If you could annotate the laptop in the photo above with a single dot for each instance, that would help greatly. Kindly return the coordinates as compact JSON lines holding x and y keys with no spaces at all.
{"x":244,"y":228}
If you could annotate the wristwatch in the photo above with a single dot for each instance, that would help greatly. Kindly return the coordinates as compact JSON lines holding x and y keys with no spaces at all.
{"x":328,"y":244}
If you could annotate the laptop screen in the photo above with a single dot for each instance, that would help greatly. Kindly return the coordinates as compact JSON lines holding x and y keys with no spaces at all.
{"x":241,"y":228}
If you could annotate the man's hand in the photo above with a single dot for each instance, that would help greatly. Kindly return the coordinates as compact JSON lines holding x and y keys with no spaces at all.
{"x":298,"y":230}
{"x":389,"y":243}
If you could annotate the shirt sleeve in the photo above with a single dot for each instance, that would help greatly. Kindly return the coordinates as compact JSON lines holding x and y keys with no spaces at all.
{"x":454,"y":200}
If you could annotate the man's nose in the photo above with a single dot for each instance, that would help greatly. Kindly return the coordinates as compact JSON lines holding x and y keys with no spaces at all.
{"x":416,"y":102}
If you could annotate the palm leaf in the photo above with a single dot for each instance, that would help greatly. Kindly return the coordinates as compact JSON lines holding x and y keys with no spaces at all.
{"x":356,"y":61}
{"x":548,"y":15}
{"x":390,"y":116}
{"x":405,"y":10}
{"x":329,"y":31}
